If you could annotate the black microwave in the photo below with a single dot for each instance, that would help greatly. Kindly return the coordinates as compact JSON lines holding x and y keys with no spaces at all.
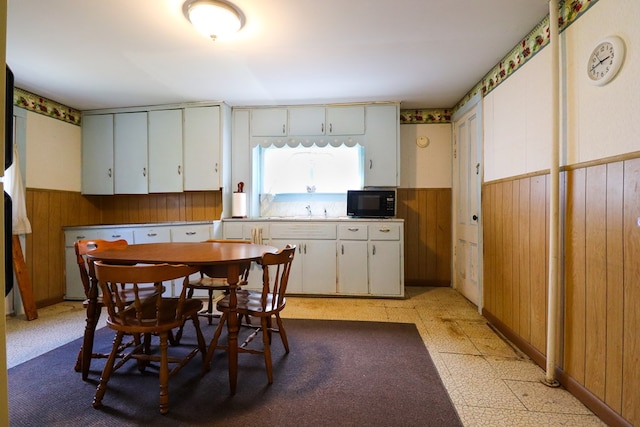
{"x":371,"y":203}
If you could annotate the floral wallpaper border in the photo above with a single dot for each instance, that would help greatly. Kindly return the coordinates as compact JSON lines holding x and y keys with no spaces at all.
{"x":570,"y":11}
{"x":47,"y":107}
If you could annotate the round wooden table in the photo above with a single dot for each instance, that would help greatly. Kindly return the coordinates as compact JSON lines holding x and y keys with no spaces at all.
{"x":210,"y":257}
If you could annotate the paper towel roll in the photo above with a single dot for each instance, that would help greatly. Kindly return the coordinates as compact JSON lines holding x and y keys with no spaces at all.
{"x":239,"y":205}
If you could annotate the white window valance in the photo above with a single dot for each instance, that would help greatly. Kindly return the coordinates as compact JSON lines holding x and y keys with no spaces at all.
{"x":319,"y":141}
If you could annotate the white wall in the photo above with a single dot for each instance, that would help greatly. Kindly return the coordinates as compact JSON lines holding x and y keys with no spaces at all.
{"x":53,"y":154}
{"x":428,"y":167}
{"x":597,"y":122}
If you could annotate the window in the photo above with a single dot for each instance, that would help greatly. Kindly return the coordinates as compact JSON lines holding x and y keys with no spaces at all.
{"x":314,"y":170}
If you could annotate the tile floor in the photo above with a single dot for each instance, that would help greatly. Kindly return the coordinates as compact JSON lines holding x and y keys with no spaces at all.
{"x":489,"y":382}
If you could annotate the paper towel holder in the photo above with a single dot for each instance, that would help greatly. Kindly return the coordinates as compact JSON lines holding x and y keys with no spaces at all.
{"x":239,"y":202}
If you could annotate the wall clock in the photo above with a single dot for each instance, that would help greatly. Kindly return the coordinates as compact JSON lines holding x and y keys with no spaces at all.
{"x":422,"y":141}
{"x":605,"y":60}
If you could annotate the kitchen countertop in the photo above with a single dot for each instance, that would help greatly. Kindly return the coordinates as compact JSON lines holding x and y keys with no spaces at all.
{"x":313,"y":218}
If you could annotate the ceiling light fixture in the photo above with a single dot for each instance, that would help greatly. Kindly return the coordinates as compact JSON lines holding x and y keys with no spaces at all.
{"x":213,"y":18}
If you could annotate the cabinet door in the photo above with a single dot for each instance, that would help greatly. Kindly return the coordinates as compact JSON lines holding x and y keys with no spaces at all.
{"x":347,"y":120}
{"x":319,"y":266}
{"x":381,"y":150}
{"x":269,"y":122}
{"x":130,"y":153}
{"x":306,"y":121}
{"x":352,"y":268}
{"x":165,"y":151}
{"x":384,"y":268}
{"x":202,"y":161}
{"x":97,"y":154}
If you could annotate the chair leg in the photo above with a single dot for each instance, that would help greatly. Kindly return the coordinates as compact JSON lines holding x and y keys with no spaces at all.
{"x":83,"y":363}
{"x":210,"y":307}
{"x":106,"y":372}
{"x":266,"y":340}
{"x":201,"y":344}
{"x":283,"y":334}
{"x":164,"y":374}
{"x":214,"y":342}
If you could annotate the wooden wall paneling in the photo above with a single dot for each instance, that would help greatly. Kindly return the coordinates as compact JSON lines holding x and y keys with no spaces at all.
{"x":515,"y":253}
{"x":499,"y":248}
{"x":488,"y":225}
{"x":428,"y":203}
{"x":53,"y":278}
{"x":631,"y":360}
{"x":524,"y":258}
{"x":443,"y":235}
{"x":596,"y":279}
{"x":538,"y":254}
{"x":574,"y":355}
{"x":508,"y":245}
{"x":614,"y":286}
{"x":406,"y":204}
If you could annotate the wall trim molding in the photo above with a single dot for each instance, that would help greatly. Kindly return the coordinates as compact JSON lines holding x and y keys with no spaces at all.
{"x":41,"y":105}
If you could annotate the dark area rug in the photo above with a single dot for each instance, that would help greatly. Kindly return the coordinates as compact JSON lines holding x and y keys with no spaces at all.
{"x":338,"y":373}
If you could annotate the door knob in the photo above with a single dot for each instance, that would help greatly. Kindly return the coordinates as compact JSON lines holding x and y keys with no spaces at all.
{"x":475,"y":217}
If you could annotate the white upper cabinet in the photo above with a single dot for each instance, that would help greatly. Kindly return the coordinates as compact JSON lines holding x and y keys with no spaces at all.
{"x":165,"y":151}
{"x":315,"y":121}
{"x":345,"y":120}
{"x":307,"y":121}
{"x":382,"y":146}
{"x":269,"y":122}
{"x":130,"y":153}
{"x":202,"y":148}
{"x":97,"y":154}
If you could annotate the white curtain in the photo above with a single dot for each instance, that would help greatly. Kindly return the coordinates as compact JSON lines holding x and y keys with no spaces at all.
{"x":14,"y":187}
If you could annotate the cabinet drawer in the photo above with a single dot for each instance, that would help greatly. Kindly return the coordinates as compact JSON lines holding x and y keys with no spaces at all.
{"x":71,"y":236}
{"x":384,"y":232}
{"x":301,"y":230}
{"x":352,"y":232}
{"x":151,"y":235}
{"x":194,"y":233}
{"x":115,"y":234}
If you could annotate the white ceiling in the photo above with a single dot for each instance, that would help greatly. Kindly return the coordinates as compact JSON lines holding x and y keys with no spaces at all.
{"x":91,"y":54}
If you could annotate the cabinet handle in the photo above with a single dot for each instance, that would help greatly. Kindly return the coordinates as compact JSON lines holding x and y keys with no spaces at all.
{"x":152,"y":234}
{"x":384,"y":230}
{"x":305,"y":248}
{"x":190,"y":233}
{"x":284,"y":129}
{"x":373,"y":250}
{"x":342,"y":249}
{"x":330,"y":127}
{"x":370,"y":164}
{"x":109,"y":172}
{"x":353,"y":229}
{"x":80,"y":237}
{"x":179,"y":169}
{"x":144,"y":171}
{"x":322,"y":128}
{"x":116,"y":236}
{"x":216,"y":167}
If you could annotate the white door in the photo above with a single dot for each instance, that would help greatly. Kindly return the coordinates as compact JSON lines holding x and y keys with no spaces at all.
{"x":467,"y":177}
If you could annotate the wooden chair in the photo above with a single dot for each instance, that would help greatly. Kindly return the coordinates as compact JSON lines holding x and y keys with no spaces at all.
{"x":82,"y":248}
{"x":216,"y":283}
{"x":146,"y":317}
{"x":264,"y":305}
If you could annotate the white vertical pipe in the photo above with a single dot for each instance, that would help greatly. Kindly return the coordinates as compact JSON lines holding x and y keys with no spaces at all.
{"x":554,"y":199}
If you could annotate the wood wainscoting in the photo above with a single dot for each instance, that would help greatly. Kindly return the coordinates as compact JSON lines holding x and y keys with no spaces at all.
{"x":427,"y":235}
{"x":599,"y":343}
{"x":51,"y":210}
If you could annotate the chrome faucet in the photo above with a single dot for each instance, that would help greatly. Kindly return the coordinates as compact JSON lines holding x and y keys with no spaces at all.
{"x":308,"y":208}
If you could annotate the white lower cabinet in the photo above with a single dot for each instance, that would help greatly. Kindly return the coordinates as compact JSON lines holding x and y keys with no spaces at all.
{"x":314,"y":266}
{"x":350,"y":257}
{"x":353,"y":277}
{"x":386,"y":260}
{"x":196,"y":232}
